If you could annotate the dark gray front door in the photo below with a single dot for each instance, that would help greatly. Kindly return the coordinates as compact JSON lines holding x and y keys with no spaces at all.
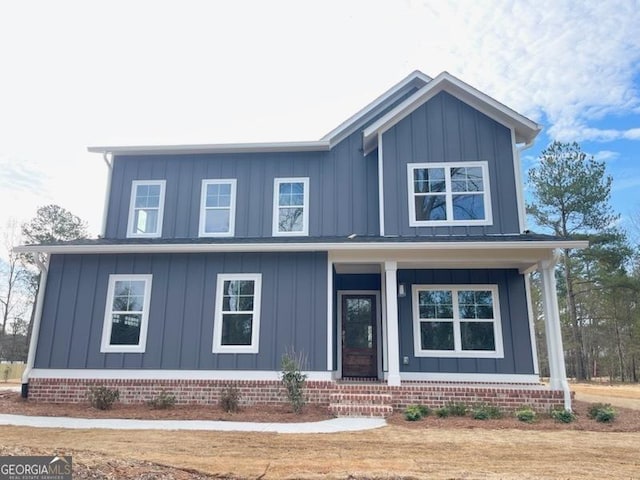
{"x":359,"y":336}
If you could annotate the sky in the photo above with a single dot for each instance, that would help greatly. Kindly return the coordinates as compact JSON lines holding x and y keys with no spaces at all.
{"x":85,"y":73}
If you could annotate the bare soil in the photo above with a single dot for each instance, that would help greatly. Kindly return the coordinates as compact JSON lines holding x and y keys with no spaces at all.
{"x":13,"y":403}
{"x":433,"y":448}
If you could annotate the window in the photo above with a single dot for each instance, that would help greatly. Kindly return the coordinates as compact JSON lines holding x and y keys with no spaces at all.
{"x":126,"y":314}
{"x":291,"y":206}
{"x":146,"y":208}
{"x":218,"y":208}
{"x":456,"y":321}
{"x":236,"y":326}
{"x":449,"y":194}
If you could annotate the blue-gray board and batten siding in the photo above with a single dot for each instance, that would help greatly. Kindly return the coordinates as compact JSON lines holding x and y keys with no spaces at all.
{"x":446,"y":129}
{"x":343,"y":185}
{"x":180,"y":329}
{"x":518,"y":356}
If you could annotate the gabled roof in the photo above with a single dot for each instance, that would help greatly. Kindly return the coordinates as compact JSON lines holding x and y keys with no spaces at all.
{"x":525,"y":130}
{"x":414,"y":80}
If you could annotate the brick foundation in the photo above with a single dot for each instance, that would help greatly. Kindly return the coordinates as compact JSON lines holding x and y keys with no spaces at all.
{"x":267,"y":392}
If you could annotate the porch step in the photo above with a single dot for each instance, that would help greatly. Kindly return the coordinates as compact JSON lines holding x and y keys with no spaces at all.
{"x":360,"y":404}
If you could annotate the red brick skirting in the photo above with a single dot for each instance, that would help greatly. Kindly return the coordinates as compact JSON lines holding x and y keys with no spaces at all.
{"x":261,"y":392}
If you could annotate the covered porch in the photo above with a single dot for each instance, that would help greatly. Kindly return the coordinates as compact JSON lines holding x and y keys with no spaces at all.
{"x":380,"y":329}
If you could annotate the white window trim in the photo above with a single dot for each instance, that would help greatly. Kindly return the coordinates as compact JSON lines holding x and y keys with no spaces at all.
{"x":106,"y":346}
{"x":276,"y":206}
{"x":449,"y":194}
{"x":217,"y":321}
{"x":203,"y":208}
{"x":132,"y":202}
{"x":457,"y":352}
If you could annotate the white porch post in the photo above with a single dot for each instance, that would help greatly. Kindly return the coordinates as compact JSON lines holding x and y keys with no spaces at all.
{"x":391,"y":305}
{"x":557,"y":370}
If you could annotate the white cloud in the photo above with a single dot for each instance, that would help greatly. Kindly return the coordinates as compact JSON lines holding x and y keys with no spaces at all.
{"x":154,"y":72}
{"x":605,"y":155}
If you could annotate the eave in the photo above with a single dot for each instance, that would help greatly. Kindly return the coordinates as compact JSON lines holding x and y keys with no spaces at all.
{"x":313,"y":146}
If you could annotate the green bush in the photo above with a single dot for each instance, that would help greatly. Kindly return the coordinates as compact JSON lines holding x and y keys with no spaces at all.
{"x":564,"y":416}
{"x":602,"y":412}
{"x":163,"y":401}
{"x":443,"y":412}
{"x":229,"y":399}
{"x":102,"y":397}
{"x":416,"y":412}
{"x":526,"y":414}
{"x":486,"y":412}
{"x":293,"y":379}
{"x":5,"y":373}
{"x":456,"y":409}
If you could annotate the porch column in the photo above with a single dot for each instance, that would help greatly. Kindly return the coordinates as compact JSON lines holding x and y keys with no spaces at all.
{"x":557,"y":370}
{"x":393,"y":341}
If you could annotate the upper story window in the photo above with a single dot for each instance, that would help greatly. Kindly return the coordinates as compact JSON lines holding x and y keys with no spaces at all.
{"x":218,"y":208}
{"x":456,"y":321}
{"x":449,"y":194}
{"x":237,"y":317}
{"x":291,"y":206}
{"x":146,"y":208}
{"x":126,"y":314}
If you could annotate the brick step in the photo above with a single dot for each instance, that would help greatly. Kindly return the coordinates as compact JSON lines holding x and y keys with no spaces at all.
{"x":360,"y":398}
{"x":360,"y":410}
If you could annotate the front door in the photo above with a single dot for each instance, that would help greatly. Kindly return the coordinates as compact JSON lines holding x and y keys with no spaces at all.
{"x":359,"y":336}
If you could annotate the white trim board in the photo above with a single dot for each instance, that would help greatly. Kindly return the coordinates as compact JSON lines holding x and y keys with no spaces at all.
{"x":300,"y":247}
{"x":148,"y":374}
{"x":470,"y":377}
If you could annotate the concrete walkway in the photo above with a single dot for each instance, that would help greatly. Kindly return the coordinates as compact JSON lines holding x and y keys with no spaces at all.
{"x":326,"y":426}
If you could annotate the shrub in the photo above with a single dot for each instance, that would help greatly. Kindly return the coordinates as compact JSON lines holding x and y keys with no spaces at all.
{"x":602,"y":412}
{"x":5,"y":373}
{"x":443,"y":412}
{"x":486,"y":412}
{"x":416,"y":412}
{"x":293,"y":378}
{"x":564,"y":416}
{"x":163,"y":401}
{"x":456,"y":409}
{"x":230,"y":399}
{"x":526,"y":414}
{"x":102,"y":397}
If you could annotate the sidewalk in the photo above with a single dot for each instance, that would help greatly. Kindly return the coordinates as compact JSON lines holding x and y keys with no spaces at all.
{"x":326,"y":426}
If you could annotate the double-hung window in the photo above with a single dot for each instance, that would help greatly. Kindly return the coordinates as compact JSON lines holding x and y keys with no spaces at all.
{"x":456,"y":321}
{"x":146,"y":208}
{"x":291,"y":207}
{"x":236,"y":326}
{"x":126,"y":314}
{"x":449,"y":194}
{"x":218,"y":208}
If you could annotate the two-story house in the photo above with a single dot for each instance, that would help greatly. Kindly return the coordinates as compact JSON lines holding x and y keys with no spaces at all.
{"x":391,"y":253}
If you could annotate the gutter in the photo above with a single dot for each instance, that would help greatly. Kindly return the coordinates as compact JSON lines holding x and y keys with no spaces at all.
{"x":35,"y":330}
{"x":296,"y":247}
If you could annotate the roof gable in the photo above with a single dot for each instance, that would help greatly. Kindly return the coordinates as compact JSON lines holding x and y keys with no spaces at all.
{"x":525,"y":130}
{"x":416,"y":79}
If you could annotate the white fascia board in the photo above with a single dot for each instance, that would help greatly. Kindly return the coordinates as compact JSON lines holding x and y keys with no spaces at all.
{"x":416,"y":78}
{"x":313,"y":146}
{"x":482,"y":379}
{"x":301,"y":247}
{"x":526,"y":129}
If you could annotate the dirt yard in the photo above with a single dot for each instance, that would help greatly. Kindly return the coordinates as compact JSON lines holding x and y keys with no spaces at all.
{"x":619,"y":395}
{"x":450,"y":448}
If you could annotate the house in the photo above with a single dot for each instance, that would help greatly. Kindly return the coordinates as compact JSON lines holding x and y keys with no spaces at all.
{"x":392,"y":253}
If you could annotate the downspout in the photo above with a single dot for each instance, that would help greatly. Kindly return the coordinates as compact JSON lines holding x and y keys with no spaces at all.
{"x":35,"y":330}
{"x":105,"y":210}
{"x":519,"y":178}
